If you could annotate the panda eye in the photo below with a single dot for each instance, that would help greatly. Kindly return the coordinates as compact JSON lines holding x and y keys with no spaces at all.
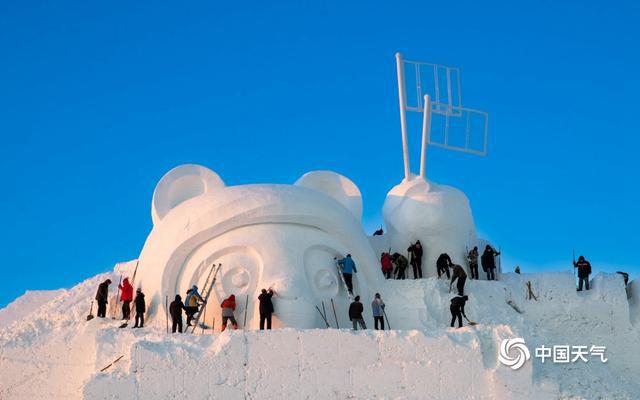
{"x":321,"y":272}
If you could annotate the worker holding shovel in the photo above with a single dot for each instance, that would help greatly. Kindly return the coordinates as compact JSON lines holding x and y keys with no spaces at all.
{"x":457,"y":310}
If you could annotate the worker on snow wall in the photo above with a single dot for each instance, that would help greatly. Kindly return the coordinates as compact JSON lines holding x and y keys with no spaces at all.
{"x":584,"y":270}
{"x":459,"y":274}
{"x":442,"y":265}
{"x":488,"y":260}
{"x":415,"y":253}
{"x":472,"y":258}
{"x":457,"y":309}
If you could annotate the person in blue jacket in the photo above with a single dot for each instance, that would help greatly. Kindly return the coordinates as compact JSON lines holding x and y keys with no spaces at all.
{"x":348,"y":269}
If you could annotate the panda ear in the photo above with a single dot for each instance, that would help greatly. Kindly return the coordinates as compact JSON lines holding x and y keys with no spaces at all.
{"x":182,"y":183}
{"x":336,"y":186}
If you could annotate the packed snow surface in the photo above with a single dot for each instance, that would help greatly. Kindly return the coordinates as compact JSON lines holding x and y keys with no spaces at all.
{"x":53,"y":352}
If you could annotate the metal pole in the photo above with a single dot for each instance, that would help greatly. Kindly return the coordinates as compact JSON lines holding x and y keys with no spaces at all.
{"x":166,"y":308}
{"x":246,"y":306}
{"x":402,"y":97}
{"x":334,"y":314}
{"x":426,"y":135}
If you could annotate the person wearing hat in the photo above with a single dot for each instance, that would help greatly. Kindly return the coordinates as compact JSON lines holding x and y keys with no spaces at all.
{"x":192,"y":302}
{"x":266,"y":307}
{"x":457,"y":309}
{"x":355,"y":314}
{"x":584,"y":270}
{"x":228,"y":307}
{"x":101,"y":297}
{"x":175,"y":309}
{"x":377,"y":309}
{"x":140,"y":309}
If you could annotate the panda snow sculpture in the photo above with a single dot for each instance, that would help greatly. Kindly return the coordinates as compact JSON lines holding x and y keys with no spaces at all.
{"x":264,"y":235}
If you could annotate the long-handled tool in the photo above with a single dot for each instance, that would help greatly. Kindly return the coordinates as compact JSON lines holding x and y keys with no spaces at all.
{"x":323,"y":317}
{"x":472,"y":323}
{"x":114,"y":309}
{"x":334,"y":314}
{"x":385,"y":317}
{"x":90,"y":316}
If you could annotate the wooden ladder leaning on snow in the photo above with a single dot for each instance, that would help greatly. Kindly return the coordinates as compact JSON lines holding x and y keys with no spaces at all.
{"x":208,"y":287}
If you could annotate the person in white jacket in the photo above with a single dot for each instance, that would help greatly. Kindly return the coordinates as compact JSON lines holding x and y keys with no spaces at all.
{"x":377,"y":308}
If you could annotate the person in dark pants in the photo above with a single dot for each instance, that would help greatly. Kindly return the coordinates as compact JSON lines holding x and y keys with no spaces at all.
{"x":401,"y":265}
{"x":488,"y":260}
{"x":192,"y":303}
{"x":415,"y":252}
{"x":472,"y":257}
{"x":355,"y":314}
{"x":266,"y":307}
{"x":175,"y":309}
{"x":386,"y":265}
{"x":140,"y":309}
{"x":377,"y":309}
{"x":348,"y":267}
{"x":442,"y":264}
{"x":101,"y":297}
{"x":461,"y":276}
{"x":584,"y":270}
{"x":457,"y":309}
{"x":126,"y":295}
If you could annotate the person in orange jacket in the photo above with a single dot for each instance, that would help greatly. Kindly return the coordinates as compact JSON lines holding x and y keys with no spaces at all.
{"x":126,"y":295}
{"x":228,"y":307}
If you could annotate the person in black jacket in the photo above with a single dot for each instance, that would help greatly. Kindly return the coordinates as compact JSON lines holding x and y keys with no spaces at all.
{"x":140,"y":309}
{"x":266,"y":307}
{"x":415,"y":251}
{"x":355,"y":314}
{"x":457,"y":309}
{"x":175,"y":309}
{"x":488,"y":260}
{"x":584,"y":270}
{"x":442,"y":264}
{"x":101,"y":297}
{"x":461,"y":276}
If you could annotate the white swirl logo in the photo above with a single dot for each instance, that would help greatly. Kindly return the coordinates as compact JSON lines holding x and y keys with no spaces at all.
{"x":518,"y":346}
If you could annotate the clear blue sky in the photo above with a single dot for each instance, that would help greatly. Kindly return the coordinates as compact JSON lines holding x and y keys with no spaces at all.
{"x":99,"y":99}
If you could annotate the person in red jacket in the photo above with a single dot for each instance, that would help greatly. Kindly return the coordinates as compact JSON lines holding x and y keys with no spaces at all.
{"x":126,"y":295}
{"x":387,"y":266}
{"x":228,"y":307}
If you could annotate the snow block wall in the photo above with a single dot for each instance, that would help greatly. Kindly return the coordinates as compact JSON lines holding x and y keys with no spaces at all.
{"x":331,"y":364}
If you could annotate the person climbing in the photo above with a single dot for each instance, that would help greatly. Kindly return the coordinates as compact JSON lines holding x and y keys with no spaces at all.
{"x":101,"y":297}
{"x":266,"y":307}
{"x":387,"y":266}
{"x":401,"y":263}
{"x":377,"y":308}
{"x":415,"y":251}
{"x":140,"y":309}
{"x":126,"y":295}
{"x":379,"y":232}
{"x":457,"y":309}
{"x":488,"y":260}
{"x":517,"y":270}
{"x":175,"y":309}
{"x":348,"y":269}
{"x":192,"y":303}
{"x":228,"y":307}
{"x":442,"y":264}
{"x":472,"y":257}
{"x":461,"y":276}
{"x":355,"y":314}
{"x":584,"y":270}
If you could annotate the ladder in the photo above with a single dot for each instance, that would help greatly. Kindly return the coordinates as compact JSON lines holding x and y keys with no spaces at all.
{"x":344,"y":283}
{"x":208,"y":287}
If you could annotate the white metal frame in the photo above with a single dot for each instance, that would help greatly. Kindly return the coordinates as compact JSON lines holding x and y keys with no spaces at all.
{"x":449,"y":105}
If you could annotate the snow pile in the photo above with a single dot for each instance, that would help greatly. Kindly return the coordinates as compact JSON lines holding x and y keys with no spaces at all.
{"x":26,"y":304}
{"x":54,"y":353}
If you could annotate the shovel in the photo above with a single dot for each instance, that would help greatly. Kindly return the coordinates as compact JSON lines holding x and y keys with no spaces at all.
{"x":90,"y":316}
{"x":472,"y":323}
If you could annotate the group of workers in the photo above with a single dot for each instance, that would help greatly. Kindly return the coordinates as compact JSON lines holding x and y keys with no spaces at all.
{"x":194,"y":302}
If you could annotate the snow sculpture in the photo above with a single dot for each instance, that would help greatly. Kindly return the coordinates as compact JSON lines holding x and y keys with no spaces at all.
{"x":437,"y":215}
{"x":284,"y":236}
